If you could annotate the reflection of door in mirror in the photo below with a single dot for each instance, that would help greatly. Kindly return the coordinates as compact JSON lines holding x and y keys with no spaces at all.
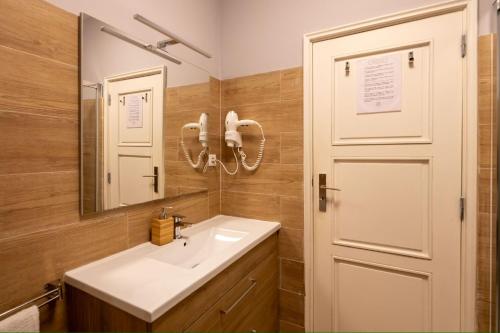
{"x":134,"y":146}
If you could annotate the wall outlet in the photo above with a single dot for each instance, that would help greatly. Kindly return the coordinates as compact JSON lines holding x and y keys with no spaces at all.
{"x":212,"y":160}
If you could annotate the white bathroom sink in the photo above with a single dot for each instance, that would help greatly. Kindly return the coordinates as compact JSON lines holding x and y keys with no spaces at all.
{"x":199,"y":246}
{"x":148,"y":280}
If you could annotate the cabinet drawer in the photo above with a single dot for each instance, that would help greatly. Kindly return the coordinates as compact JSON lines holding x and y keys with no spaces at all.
{"x":251,"y":305}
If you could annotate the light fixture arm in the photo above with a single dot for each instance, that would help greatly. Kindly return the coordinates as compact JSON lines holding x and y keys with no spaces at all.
{"x":174,"y":38}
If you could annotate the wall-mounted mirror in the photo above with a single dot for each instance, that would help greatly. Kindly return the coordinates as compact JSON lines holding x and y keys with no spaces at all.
{"x":123,"y":116}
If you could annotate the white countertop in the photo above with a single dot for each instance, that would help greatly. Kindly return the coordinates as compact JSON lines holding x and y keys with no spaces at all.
{"x":148,"y":280}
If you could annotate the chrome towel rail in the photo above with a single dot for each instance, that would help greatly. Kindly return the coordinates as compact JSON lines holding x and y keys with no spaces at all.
{"x":54,"y":293}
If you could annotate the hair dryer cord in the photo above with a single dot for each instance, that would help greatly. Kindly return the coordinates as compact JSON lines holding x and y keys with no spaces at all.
{"x":260,"y":154}
{"x":199,"y":160}
{"x":231,"y":173}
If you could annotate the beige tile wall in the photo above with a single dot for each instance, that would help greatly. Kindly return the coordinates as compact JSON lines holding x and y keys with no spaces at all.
{"x":41,"y":232}
{"x":274,"y":191}
{"x":486,"y":247}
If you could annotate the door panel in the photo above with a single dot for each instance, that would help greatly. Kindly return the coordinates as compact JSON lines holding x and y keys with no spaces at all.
{"x":387,"y":132}
{"x":361,"y":214}
{"x":134,"y":188}
{"x":390,"y":291}
{"x":135,"y":118}
{"x":410,"y":123}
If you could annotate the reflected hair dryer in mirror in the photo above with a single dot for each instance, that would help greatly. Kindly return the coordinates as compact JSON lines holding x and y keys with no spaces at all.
{"x":202,"y":126}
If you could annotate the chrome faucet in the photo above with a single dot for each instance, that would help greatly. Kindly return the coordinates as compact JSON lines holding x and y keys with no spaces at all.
{"x":178,"y":224}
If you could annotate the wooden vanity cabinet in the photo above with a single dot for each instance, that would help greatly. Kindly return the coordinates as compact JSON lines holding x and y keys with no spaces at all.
{"x":242,"y":298}
{"x":249,"y":306}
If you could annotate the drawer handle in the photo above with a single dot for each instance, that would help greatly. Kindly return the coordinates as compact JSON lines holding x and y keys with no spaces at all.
{"x":238,"y":301}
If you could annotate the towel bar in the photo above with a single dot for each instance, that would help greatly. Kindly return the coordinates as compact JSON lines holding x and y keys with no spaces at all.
{"x":54,"y":292}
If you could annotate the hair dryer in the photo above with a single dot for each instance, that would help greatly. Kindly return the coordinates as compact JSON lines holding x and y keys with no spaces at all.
{"x":234,"y":140}
{"x":202,"y":126}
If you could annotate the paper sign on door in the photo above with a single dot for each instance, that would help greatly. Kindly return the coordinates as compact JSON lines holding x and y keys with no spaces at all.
{"x":379,"y":84}
{"x":133,"y":110}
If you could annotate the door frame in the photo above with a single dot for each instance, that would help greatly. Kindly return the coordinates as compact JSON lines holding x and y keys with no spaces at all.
{"x":470,"y":141}
{"x":162,"y":70}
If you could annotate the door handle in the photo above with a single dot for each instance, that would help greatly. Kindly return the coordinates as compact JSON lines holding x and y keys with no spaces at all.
{"x":323,"y":187}
{"x":322,"y":191}
{"x":155,"y":178}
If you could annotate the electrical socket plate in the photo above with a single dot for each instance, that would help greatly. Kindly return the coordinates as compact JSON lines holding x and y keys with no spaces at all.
{"x":212,"y":160}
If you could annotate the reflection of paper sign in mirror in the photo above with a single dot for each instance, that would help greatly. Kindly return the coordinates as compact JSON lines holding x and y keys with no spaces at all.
{"x":133,"y":109}
{"x":379,"y":84}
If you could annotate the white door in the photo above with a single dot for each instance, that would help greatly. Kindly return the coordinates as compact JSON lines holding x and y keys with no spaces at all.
{"x":134,"y":146}
{"x":387,"y":123}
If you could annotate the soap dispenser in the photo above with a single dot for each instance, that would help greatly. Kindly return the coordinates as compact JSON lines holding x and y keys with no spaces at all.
{"x":162,"y":228}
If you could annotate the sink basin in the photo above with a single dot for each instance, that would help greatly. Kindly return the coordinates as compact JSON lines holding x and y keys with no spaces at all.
{"x":148,"y":280}
{"x":199,"y":246}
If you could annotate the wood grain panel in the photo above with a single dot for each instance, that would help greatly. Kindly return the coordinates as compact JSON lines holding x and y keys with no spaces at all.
{"x":37,"y":144}
{"x":256,"y":206}
{"x":292,"y":212}
{"x":91,"y":240}
{"x":214,"y":203}
{"x":291,"y":243}
{"x":484,"y":313}
{"x":485,"y":188}
{"x":284,"y":179}
{"x":292,"y":150}
{"x":189,"y":97}
{"x":215,"y":90}
{"x":28,"y":263}
{"x":487,"y":195}
{"x":32,"y":260}
{"x":44,"y":87}
{"x":139,"y":222}
{"x":180,"y":173}
{"x":292,"y":83}
{"x":254,"y":89}
{"x":484,"y":248}
{"x":286,"y":326}
{"x":292,"y":307}
{"x":171,"y":148}
{"x":292,"y":275}
{"x":194,"y":206}
{"x":39,"y":28}
{"x":33,"y":202}
{"x":98,"y":315}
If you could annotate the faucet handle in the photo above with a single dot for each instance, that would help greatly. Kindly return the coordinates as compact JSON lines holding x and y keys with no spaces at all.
{"x":186,"y":224}
{"x":178,"y":218}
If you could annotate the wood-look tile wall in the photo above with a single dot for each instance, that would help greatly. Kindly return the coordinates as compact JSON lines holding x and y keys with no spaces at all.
{"x":41,"y":232}
{"x":486,"y":232}
{"x":184,"y":105}
{"x":274,"y":191}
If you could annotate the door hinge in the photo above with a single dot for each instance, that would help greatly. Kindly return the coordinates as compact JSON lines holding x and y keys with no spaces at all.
{"x":109,"y":177}
{"x":462,"y":209}
{"x":463,"y":46}
{"x":109,"y":99}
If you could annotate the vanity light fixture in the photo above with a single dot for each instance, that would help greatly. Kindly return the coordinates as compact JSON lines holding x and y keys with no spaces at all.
{"x":174,"y":39}
{"x":147,"y":47}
